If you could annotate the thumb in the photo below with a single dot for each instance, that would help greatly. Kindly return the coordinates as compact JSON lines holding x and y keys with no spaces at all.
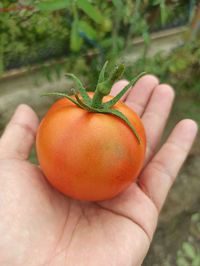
{"x":19,"y":135}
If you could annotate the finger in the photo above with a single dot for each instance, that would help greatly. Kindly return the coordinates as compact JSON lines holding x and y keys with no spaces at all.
{"x":155,"y":116}
{"x":159,"y":175}
{"x":117,"y":87}
{"x":19,"y":135}
{"x":139,"y":95}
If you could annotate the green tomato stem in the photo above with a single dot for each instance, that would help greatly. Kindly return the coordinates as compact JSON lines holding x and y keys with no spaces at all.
{"x":103,"y":88}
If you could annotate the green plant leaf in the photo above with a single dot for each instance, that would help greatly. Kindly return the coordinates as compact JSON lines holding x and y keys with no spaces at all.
{"x":60,"y":94}
{"x":196,"y":261}
{"x":154,"y":2}
{"x":123,"y":91}
{"x":189,"y":250}
{"x":1,"y":59}
{"x":181,"y":261}
{"x":163,"y":12}
{"x":80,"y":88}
{"x":106,"y":42}
{"x":102,"y":73}
{"x":91,"y":11}
{"x":87,"y":28}
{"x":53,"y":5}
{"x":146,"y":37}
{"x":124,"y":118}
{"x":75,"y":40}
{"x":118,"y":4}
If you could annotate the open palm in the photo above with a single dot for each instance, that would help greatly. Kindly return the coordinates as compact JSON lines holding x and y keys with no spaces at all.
{"x":39,"y":226}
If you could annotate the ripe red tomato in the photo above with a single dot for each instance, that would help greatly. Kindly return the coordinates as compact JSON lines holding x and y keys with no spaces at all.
{"x":90,"y":156}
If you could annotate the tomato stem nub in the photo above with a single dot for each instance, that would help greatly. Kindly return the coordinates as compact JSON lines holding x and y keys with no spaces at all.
{"x":104,"y":86}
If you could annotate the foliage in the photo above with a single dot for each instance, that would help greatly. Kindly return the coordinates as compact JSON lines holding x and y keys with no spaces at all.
{"x":189,"y":252}
{"x":49,"y":29}
{"x":181,"y":67}
{"x":26,"y":35}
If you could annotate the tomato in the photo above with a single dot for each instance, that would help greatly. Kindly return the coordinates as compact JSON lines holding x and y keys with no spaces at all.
{"x":106,"y":25}
{"x":90,"y":156}
{"x":91,"y":146}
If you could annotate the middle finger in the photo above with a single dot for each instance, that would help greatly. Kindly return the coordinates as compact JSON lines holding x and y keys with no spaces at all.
{"x":155,"y":116}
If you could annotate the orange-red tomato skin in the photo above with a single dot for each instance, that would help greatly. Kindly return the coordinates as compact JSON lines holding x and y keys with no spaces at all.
{"x":89,"y":156}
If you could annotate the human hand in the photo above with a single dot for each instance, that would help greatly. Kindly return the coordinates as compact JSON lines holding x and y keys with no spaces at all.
{"x":39,"y":226}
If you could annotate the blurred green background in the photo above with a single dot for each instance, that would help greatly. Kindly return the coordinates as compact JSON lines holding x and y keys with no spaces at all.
{"x":42,"y":40}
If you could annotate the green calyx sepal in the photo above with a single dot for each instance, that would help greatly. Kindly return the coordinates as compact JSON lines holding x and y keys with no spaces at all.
{"x":103,"y":88}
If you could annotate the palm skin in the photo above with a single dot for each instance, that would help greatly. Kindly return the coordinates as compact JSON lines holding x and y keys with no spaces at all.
{"x":39,"y":226}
